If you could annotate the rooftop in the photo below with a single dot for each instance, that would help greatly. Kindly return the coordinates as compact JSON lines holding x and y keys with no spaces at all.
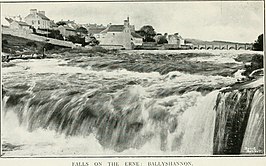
{"x":43,"y":16}
{"x":135,"y":35}
{"x":95,"y":30}
{"x":22,"y":23}
{"x":114,"y":28}
{"x":40,"y":15}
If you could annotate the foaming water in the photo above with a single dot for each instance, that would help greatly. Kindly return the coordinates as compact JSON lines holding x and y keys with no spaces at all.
{"x":51,"y":108}
{"x":164,"y":131}
{"x":43,"y":142}
{"x":253,"y":141}
{"x":237,"y":111}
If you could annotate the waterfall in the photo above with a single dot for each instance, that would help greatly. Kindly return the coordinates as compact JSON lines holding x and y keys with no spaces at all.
{"x":114,"y":119}
{"x":253,"y":141}
{"x":235,"y":111}
{"x":131,"y":120}
{"x":198,"y":127}
{"x":186,"y":129}
{"x":123,"y":120}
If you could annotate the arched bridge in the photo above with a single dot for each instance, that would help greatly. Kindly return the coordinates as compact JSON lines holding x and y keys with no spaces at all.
{"x":223,"y":47}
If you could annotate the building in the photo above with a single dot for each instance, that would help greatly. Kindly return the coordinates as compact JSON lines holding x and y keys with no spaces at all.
{"x":137,"y":39}
{"x":119,"y":36}
{"x":93,"y":28}
{"x":19,"y":25}
{"x":175,"y":39}
{"x":69,"y":23}
{"x":66,"y":31}
{"x":157,"y":37}
{"x":53,"y":25}
{"x":38,"y":20}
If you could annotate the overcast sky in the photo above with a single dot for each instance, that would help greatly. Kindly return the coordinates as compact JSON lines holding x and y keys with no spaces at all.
{"x":232,"y":21}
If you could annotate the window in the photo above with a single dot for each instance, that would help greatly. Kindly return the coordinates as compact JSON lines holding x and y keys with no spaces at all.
{"x":113,"y":33}
{"x":38,"y":21}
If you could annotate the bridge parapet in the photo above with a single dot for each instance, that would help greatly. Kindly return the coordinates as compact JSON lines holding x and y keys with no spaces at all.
{"x":223,"y":47}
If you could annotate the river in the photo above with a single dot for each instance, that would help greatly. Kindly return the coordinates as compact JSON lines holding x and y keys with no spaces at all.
{"x":127,"y":103}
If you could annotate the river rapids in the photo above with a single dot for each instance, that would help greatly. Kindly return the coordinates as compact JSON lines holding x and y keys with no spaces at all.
{"x":135,"y":103}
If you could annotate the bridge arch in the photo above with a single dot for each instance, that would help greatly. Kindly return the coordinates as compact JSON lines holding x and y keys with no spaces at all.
{"x":248,"y":48}
{"x":223,"y":48}
{"x":231,"y":48}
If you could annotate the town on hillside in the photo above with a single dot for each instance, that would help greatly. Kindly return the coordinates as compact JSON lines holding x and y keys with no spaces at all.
{"x":37,"y":26}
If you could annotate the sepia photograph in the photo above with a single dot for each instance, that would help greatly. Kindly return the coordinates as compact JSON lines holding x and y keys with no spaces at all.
{"x":132,"y":79}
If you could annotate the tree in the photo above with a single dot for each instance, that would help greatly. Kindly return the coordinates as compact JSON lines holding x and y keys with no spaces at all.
{"x":4,"y":42}
{"x":162,"y":39}
{"x":82,"y":30}
{"x":258,"y":45}
{"x":93,"y":41}
{"x":31,"y":44}
{"x":55,"y":34}
{"x":256,"y":63}
{"x":77,"y":39}
{"x":147,"y":32}
{"x":61,"y":23}
{"x":48,"y":46}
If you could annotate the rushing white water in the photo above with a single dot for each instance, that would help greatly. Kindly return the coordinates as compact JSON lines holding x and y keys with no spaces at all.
{"x":43,"y":142}
{"x":253,"y":141}
{"x":51,"y":108}
{"x":195,"y":123}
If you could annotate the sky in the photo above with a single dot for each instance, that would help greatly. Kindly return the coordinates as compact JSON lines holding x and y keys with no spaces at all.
{"x":220,"y":20}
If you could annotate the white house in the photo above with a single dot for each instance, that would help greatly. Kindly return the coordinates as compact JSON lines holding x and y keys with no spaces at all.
{"x":67,"y":31}
{"x":137,"y":39}
{"x":120,"y":36}
{"x":38,"y":19}
{"x":19,"y":26}
{"x":175,"y":39}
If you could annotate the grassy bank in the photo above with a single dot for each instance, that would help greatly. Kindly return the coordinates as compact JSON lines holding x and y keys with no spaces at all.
{"x":16,"y":45}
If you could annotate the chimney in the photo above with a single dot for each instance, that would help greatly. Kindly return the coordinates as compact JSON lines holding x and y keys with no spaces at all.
{"x":42,"y":12}
{"x":126,"y":22}
{"x":33,"y":11}
{"x":20,"y":18}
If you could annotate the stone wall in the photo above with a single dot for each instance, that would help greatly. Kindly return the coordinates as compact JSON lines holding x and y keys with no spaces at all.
{"x":25,"y":34}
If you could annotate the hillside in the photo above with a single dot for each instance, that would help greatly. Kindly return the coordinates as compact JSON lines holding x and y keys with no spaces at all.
{"x":17,"y":45}
{"x":215,"y":42}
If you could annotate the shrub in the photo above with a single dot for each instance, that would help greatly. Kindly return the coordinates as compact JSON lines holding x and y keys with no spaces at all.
{"x":99,"y":49}
{"x":48,"y":46}
{"x":256,"y":63}
{"x":56,"y":35}
{"x":258,"y":45}
{"x":77,"y":39}
{"x":4,"y":42}
{"x":31,"y":44}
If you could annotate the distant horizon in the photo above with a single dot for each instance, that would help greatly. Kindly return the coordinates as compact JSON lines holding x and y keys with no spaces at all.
{"x":240,"y":22}
{"x":225,"y":41}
